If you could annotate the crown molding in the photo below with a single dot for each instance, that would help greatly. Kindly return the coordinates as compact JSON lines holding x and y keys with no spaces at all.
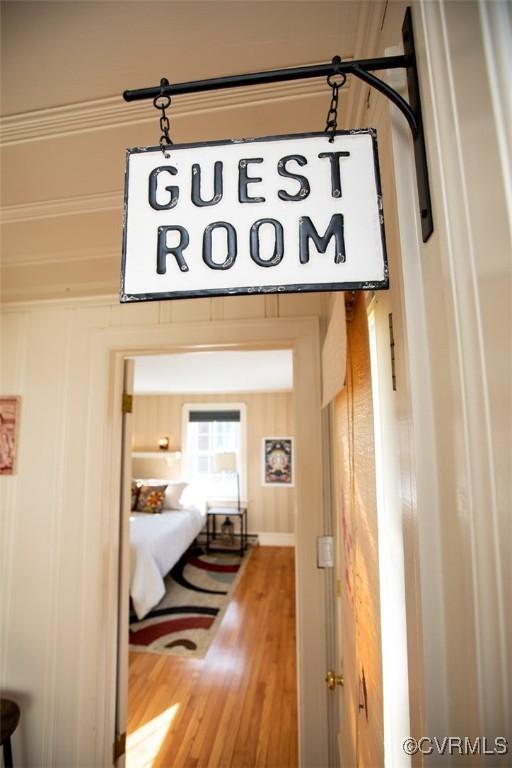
{"x":70,"y":206}
{"x":106,"y":113}
{"x":369,"y":25}
{"x":58,"y":257}
{"x":172,"y":393}
{"x":87,"y":295}
{"x":113,"y":112}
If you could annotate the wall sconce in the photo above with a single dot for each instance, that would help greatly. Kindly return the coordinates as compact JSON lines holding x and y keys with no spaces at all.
{"x":163,"y":443}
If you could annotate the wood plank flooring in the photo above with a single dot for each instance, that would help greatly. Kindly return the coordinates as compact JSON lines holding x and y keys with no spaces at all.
{"x":236,"y":707}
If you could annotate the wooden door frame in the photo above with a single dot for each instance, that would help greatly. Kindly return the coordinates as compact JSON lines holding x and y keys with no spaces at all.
{"x":302,"y":335}
{"x":121,"y":705}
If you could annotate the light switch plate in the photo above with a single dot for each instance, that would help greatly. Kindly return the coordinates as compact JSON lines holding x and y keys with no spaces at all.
{"x":325,"y":552}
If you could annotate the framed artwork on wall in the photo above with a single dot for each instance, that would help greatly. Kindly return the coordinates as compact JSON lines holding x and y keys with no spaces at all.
{"x":9,"y":422}
{"x":277,"y":461}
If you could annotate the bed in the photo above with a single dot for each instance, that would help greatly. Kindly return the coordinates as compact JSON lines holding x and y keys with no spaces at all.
{"x":157,"y":541}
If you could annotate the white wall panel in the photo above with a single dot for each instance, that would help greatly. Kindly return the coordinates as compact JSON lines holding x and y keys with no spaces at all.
{"x":58,"y":533}
{"x":467,"y":272}
{"x":453,"y":358}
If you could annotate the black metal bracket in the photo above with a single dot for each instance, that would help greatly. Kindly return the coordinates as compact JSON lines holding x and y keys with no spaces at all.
{"x":363,"y":70}
{"x":420,"y":149}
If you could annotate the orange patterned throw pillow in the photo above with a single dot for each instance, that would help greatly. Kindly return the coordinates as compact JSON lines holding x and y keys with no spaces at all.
{"x":151,"y":498}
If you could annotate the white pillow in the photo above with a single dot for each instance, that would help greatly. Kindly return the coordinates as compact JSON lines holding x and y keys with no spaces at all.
{"x":173,"y":495}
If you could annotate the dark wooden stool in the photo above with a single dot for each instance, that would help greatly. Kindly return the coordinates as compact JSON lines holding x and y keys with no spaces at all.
{"x":10,"y":717}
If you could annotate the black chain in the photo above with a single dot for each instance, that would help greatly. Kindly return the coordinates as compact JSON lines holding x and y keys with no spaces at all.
{"x":331,"y":123}
{"x":163,"y":102}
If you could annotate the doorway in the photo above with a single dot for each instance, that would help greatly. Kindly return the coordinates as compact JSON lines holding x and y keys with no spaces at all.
{"x":302,"y":336}
{"x":217,"y":704}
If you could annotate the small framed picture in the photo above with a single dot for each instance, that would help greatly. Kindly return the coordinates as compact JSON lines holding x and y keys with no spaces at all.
{"x":9,"y":419}
{"x":278,"y":459}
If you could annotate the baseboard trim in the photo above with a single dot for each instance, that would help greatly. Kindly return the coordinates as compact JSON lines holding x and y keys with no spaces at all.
{"x":262,"y":539}
{"x":276,"y":539}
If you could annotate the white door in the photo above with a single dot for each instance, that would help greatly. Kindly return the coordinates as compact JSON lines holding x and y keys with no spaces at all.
{"x":360,"y":735}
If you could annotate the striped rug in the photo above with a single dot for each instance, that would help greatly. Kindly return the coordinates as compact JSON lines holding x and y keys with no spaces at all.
{"x":198,"y":590}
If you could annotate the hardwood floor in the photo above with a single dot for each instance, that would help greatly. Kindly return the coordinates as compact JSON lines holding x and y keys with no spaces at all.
{"x":236,"y":707}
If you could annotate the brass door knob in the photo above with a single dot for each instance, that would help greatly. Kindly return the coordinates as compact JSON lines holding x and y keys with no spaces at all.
{"x":333,"y":680}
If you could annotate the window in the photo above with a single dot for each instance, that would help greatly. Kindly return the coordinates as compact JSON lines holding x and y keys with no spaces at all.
{"x":209,"y":430}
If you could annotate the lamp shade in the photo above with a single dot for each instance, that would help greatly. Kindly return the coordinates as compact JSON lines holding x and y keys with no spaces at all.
{"x":225,"y":462}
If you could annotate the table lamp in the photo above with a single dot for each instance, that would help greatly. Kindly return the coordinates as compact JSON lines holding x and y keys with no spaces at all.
{"x":227,"y":462}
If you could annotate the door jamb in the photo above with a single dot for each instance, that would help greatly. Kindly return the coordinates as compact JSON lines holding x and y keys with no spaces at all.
{"x":302,"y":335}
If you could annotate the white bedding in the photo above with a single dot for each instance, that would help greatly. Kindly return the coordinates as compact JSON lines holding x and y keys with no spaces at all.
{"x":156,"y":544}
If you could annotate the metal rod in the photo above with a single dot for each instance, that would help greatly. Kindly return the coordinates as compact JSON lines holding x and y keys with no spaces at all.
{"x":271,"y":76}
{"x":361,"y":69}
{"x":394,"y":96}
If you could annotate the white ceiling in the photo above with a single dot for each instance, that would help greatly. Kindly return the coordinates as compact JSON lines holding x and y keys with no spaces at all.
{"x":68,"y":52}
{"x":64,"y":126}
{"x":214,"y":372}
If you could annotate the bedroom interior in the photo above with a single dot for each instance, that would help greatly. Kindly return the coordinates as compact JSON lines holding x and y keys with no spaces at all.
{"x":199,"y":449}
{"x":168,"y":388}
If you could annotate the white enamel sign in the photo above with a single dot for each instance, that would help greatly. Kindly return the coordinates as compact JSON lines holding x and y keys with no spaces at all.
{"x":281,"y":214}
